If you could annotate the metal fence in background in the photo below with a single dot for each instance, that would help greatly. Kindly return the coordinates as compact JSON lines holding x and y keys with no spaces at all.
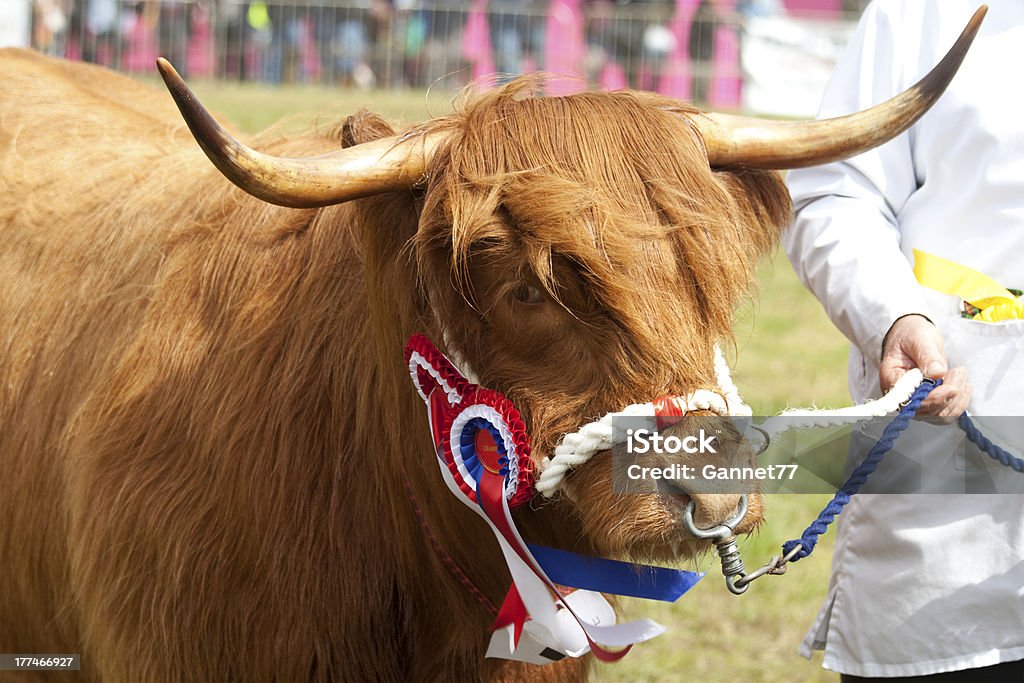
{"x":683,"y":49}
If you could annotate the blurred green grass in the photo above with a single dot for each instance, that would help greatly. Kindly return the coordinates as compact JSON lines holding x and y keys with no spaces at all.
{"x":253,"y":107}
{"x":788,"y":355}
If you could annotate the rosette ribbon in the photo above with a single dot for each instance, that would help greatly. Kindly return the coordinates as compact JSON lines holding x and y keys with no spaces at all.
{"x":483,"y":452}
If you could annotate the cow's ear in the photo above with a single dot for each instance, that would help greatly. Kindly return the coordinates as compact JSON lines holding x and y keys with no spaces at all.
{"x":764,"y":203}
{"x":363,"y":126}
{"x":390,"y":217}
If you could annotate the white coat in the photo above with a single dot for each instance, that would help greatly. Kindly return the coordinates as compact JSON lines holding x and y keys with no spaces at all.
{"x":922,"y":583}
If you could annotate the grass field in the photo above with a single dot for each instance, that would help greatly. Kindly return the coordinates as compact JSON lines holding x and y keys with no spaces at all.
{"x":789,"y":355}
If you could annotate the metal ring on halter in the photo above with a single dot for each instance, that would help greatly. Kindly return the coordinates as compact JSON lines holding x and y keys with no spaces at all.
{"x":720,"y":531}
{"x":765,"y":443}
{"x":929,"y":380}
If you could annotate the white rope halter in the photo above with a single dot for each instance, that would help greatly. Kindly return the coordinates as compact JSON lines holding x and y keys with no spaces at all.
{"x":580,"y":446}
{"x":801,"y":418}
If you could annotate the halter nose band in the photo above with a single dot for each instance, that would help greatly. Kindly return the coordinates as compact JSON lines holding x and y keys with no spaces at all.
{"x":580,"y":446}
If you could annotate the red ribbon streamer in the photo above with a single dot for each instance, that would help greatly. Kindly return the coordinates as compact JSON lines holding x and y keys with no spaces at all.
{"x":512,"y":611}
{"x":491,"y":492}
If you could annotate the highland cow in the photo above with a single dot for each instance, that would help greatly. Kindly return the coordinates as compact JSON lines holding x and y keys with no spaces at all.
{"x":213,"y":466}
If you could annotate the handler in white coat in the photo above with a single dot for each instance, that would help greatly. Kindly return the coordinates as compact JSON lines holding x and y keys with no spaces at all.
{"x":924,"y":584}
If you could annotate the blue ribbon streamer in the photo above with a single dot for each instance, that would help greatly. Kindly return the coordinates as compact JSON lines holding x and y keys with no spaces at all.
{"x":614,"y":577}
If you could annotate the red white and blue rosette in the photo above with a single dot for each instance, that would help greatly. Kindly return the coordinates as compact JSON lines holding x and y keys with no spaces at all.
{"x":476,"y":430}
{"x":483,"y":450}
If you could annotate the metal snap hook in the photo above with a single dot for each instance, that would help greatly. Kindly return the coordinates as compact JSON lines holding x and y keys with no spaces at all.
{"x":776,"y":565}
{"x":736,"y":584}
{"x":725,"y":543}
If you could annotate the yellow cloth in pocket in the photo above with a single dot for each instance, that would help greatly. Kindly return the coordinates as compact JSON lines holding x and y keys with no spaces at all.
{"x":949,"y":277}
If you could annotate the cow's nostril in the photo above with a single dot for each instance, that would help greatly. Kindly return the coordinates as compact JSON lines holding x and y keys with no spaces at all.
{"x":718,"y":509}
{"x":716,"y":531}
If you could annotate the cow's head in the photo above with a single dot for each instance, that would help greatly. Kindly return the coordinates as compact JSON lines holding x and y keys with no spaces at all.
{"x":584,"y":253}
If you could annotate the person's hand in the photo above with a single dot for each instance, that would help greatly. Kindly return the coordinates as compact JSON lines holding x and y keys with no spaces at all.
{"x":914,"y":342}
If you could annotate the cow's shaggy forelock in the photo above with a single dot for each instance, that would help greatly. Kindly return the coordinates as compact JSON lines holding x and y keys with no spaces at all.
{"x":205,"y":422}
{"x":607,"y":203}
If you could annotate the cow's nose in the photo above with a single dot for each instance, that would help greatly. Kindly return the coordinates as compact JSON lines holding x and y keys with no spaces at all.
{"x":715,"y":509}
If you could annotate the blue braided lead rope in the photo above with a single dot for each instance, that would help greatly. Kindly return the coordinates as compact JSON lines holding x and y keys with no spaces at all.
{"x":993,"y":451}
{"x":859,"y":476}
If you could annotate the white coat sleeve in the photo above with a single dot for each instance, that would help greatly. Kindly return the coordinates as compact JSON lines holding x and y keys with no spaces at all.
{"x":845,"y":242}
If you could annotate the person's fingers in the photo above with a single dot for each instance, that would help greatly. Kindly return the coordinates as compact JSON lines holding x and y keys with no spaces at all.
{"x":947,"y":402}
{"x":936,"y":401}
{"x":925,"y":351}
{"x":893,"y":366}
{"x":956,"y":401}
{"x":912,"y":342}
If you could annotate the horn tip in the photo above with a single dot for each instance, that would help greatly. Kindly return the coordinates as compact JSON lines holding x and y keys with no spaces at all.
{"x":975,"y":23}
{"x":167,"y":71}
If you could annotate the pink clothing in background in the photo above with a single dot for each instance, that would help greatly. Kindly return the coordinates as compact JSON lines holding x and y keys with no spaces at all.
{"x":725,"y":87}
{"x":675,"y":72}
{"x":564,"y":47}
{"x":476,"y":41}
{"x":726,"y":78}
{"x":613,"y":77}
{"x":813,"y":6}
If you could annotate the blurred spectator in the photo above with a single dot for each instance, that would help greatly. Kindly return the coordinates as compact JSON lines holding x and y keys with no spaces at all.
{"x":346,"y":37}
{"x":476,"y":41}
{"x":173,"y":27}
{"x":50,"y":24}
{"x":100,"y":29}
{"x":565,"y":47}
{"x":517,"y":34}
{"x":293,"y":54}
{"x":232,"y":22}
{"x":281,"y":56}
{"x":433,"y":35}
{"x":702,"y":48}
{"x":257,"y":21}
{"x":630,"y":36}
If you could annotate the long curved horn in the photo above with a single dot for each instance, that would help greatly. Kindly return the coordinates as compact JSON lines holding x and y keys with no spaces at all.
{"x":383,"y":165}
{"x":756,"y":143}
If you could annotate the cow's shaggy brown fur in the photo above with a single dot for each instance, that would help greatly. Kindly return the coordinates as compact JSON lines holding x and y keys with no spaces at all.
{"x":204,"y":417}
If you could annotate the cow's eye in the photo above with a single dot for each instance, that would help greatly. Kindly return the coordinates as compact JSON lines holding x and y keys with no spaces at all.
{"x":528,"y":294}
